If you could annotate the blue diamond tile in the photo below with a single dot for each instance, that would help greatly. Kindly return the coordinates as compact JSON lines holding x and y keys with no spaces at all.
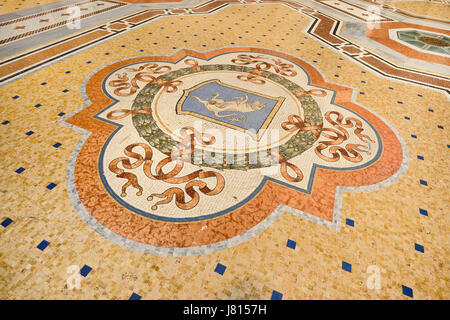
{"x":361,"y":92}
{"x":89,"y":62}
{"x":135,"y":296}
{"x":20,"y":170}
{"x":15,"y":97}
{"x":67,"y":71}
{"x":399,"y":102}
{"x":291,"y":244}
{"x":44,"y":244}
{"x":85,"y":270}
{"x":346,"y":266}
{"x":423,"y":182}
{"x":363,"y":81}
{"x":431,"y":110}
{"x":5,"y":122}
{"x":38,"y":105}
{"x":276,"y":295}
{"x":61,"y":114}
{"x":336,"y":75}
{"x":407,"y":118}
{"x":350,"y":222}
{"x":420,"y":95}
{"x":43,"y":83}
{"x":420,"y":157}
{"x":440,"y":127}
{"x":6,"y":222}
{"x":407,"y":291}
{"x":29,"y":133}
{"x":423,"y":212}
{"x":65,"y":90}
{"x":57,"y":145}
{"x":414,"y":136}
{"x":390,"y":88}
{"x":419,"y":247}
{"x":51,"y":186}
{"x":220,"y":269}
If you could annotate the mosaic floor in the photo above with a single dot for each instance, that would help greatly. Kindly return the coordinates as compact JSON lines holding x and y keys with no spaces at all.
{"x":224,"y":149}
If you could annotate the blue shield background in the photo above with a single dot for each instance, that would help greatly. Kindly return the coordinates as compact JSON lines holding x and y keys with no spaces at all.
{"x":255,"y":119}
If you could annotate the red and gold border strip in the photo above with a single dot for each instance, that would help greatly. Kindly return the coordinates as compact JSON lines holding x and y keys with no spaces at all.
{"x":388,"y":69}
{"x":42,"y":56}
{"x":55,"y":25}
{"x":324,"y":29}
{"x":43,"y":13}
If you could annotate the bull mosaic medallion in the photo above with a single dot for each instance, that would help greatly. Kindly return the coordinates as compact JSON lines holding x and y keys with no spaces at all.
{"x":197,"y":152}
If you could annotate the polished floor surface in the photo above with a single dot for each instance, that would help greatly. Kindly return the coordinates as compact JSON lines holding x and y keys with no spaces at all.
{"x":224,"y":149}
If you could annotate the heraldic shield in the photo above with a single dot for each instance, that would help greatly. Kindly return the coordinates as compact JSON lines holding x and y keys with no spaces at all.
{"x":230,"y":106}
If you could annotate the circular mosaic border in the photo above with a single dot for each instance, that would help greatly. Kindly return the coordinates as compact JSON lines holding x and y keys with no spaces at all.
{"x":147,"y":127}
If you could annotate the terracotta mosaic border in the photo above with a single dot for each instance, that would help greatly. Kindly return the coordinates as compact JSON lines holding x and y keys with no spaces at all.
{"x":323,"y":27}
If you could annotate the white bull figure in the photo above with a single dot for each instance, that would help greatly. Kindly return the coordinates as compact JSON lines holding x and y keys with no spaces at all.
{"x":240,"y":105}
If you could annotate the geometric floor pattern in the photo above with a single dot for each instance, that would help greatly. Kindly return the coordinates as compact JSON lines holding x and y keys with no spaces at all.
{"x":224,"y":149}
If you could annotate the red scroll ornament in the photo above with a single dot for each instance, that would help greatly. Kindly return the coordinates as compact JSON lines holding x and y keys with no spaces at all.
{"x":122,"y":83}
{"x":254,"y":77}
{"x":193,"y":63}
{"x":185,"y":149}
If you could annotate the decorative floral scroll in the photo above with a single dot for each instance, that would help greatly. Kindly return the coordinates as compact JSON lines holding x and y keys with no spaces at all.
{"x":280,"y":67}
{"x":122,"y":113}
{"x":313,"y":92}
{"x":350,"y":151}
{"x":295,"y":123}
{"x":185,"y":149}
{"x":125,"y":87}
{"x":193,"y":63}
